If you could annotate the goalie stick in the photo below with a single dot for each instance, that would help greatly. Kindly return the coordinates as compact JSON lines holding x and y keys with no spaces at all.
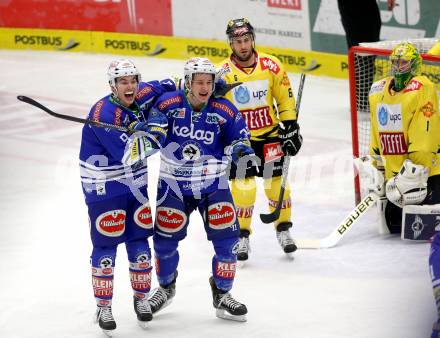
{"x":72,"y":118}
{"x":341,"y":230}
{"x":274,"y":215}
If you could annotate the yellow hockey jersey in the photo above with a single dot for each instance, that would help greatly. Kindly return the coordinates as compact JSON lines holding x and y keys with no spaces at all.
{"x":263,"y":84}
{"x":404,"y":124}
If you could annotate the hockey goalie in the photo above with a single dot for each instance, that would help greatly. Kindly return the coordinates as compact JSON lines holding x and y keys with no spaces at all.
{"x":404,"y":145}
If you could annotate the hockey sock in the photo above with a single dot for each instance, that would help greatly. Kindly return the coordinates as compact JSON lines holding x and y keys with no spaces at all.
{"x":224,"y":263}
{"x":167,"y":259}
{"x":139,"y":256}
{"x":272,"y":188}
{"x":103,"y":262}
{"x":244,"y":193}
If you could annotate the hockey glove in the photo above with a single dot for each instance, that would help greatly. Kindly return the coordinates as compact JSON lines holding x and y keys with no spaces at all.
{"x":156,"y":128}
{"x":239,"y":150}
{"x":409,"y":186}
{"x":291,"y":139}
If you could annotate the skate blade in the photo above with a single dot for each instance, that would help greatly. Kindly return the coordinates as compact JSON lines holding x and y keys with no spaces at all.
{"x":222,"y":314}
{"x":168,"y":302}
{"x":108,"y":333}
{"x":143,"y":325}
{"x":241,"y":264}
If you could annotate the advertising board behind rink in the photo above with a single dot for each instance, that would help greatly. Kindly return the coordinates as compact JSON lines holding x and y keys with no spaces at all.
{"x":277,"y":23}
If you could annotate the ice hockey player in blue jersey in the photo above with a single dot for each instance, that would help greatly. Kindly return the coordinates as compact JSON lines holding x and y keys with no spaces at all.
{"x":204,"y":133}
{"x":114,"y":181}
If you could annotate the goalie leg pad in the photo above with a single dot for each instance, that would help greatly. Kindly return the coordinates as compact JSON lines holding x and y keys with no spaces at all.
{"x":420,"y":222}
{"x":382,"y":223}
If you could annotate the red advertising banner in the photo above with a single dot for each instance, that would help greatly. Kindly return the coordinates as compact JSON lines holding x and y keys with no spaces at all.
{"x":123,"y":16}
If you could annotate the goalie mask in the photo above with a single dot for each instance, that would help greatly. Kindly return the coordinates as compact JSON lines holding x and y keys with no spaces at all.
{"x":120,"y":68}
{"x":405,"y":63}
{"x":198,"y":66}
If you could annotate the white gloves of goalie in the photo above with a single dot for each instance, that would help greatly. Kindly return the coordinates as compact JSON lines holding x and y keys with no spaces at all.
{"x":409,"y":186}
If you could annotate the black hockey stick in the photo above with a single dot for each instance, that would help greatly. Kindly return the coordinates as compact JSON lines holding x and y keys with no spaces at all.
{"x":273,"y":216}
{"x":224,"y":90}
{"x":72,"y":118}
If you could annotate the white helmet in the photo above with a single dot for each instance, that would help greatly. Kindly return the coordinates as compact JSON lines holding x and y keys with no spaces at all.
{"x":196,"y":66}
{"x":120,"y":68}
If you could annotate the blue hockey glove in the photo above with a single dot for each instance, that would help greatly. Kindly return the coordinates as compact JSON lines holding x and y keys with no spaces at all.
{"x":156,"y":127}
{"x":291,"y":139}
{"x":239,"y":150}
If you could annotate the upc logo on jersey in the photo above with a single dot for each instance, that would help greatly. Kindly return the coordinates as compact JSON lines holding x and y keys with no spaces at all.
{"x":170,"y":219}
{"x":389,"y":117}
{"x":267,"y":63}
{"x":393,"y":143}
{"x":257,"y":118}
{"x":221,"y":215}
{"x":143,"y":217}
{"x":205,"y":136}
{"x":111,"y":223}
{"x":241,"y":95}
{"x":225,"y":270}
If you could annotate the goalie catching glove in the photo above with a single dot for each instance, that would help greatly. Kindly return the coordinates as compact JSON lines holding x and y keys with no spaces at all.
{"x":156,"y":128}
{"x":291,"y":139}
{"x":409,"y":186}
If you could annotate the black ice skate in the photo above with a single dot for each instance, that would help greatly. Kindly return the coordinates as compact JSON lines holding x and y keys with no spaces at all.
{"x":105,"y":320}
{"x":162,"y":296}
{"x":283,"y":235}
{"x":227,"y":307}
{"x":243,"y":247}
{"x":143,"y":311}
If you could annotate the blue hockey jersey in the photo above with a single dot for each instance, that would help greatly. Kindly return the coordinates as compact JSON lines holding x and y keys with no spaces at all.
{"x":113,"y":163}
{"x":195,"y":156}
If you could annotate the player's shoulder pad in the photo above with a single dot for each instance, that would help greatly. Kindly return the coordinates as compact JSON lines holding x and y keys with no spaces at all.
{"x":106,"y":111}
{"x":146,"y":90}
{"x":224,"y":107}
{"x":270,"y":62}
{"x":379,"y":86}
{"x":416,"y":83}
{"x":169,"y":100}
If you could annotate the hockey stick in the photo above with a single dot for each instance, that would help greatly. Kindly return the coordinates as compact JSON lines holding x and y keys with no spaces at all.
{"x":341,"y":230}
{"x":274,"y":215}
{"x":72,"y":118}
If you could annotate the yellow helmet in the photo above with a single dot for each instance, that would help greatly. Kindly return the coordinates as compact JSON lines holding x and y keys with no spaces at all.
{"x":405,"y":63}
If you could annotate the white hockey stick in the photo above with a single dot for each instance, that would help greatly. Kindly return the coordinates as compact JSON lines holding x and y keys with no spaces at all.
{"x":342,"y":229}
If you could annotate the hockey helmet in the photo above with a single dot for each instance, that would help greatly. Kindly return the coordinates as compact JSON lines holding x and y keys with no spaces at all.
{"x":405,"y":63}
{"x":198,"y":66}
{"x":120,"y":68}
{"x":239,"y":27}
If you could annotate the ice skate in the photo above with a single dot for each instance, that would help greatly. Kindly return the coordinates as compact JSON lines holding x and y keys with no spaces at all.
{"x":162,"y":296}
{"x":243,"y":248}
{"x":226,"y":306}
{"x":143,"y":311}
{"x":284,"y":239}
{"x":105,"y":320}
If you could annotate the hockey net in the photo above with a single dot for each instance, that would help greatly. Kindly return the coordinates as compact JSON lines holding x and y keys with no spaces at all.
{"x":368,"y":63}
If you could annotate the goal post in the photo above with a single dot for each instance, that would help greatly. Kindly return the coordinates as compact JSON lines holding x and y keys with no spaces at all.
{"x":367,"y":64}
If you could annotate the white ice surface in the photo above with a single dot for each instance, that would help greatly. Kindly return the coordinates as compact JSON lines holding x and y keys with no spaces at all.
{"x":367,"y":286}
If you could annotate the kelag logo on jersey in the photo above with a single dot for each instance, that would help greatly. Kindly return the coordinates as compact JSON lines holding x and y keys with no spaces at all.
{"x":241,"y":95}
